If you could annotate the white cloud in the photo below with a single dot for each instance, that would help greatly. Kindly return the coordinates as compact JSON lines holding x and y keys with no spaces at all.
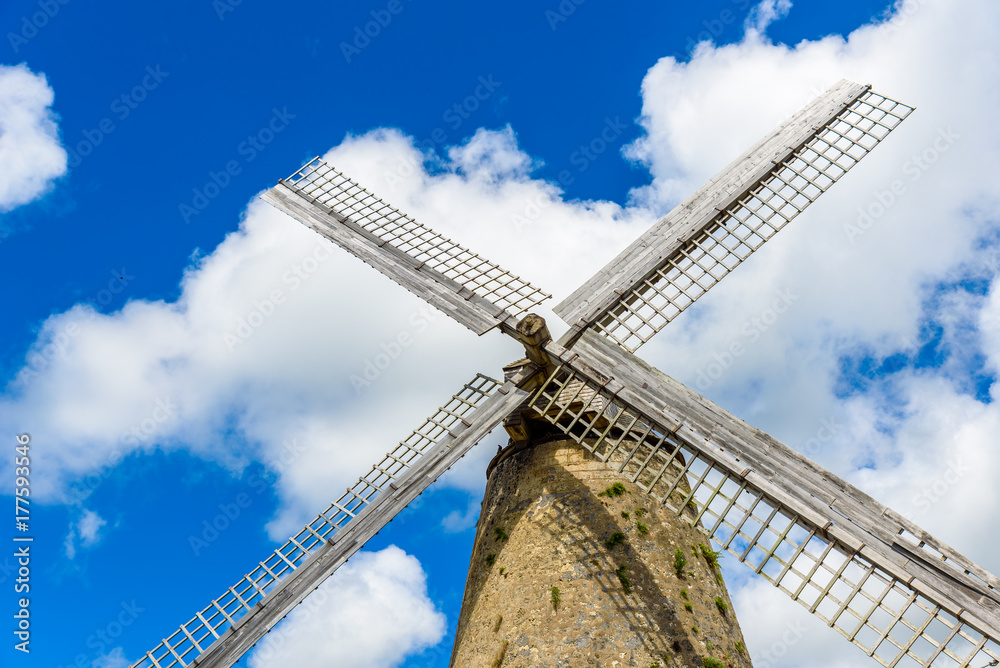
{"x":373,"y":612}
{"x":764,"y":14}
{"x":30,"y":151}
{"x":779,"y":632}
{"x":113,"y":659}
{"x":69,"y":545}
{"x":87,"y":529}
{"x":458,"y":521}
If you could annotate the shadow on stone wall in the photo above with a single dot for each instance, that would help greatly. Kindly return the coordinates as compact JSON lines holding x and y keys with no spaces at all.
{"x":531,"y":496}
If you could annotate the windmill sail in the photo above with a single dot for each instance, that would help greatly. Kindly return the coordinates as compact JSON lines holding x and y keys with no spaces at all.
{"x":233,"y":623}
{"x":711,"y":232}
{"x":474,"y":291}
{"x":904,"y":597}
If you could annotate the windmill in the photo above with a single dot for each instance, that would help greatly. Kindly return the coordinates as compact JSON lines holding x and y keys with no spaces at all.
{"x":901,"y":595}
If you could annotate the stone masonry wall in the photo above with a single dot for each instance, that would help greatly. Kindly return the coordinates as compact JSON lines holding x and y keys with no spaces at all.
{"x":567,"y":574}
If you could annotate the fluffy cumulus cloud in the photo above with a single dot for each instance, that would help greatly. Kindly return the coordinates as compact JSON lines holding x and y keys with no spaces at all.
{"x":373,"y":612}
{"x":30,"y":151}
{"x":285,"y":351}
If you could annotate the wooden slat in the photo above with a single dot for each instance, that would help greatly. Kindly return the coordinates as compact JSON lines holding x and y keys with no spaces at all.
{"x":326,"y":559}
{"x":666,"y":237}
{"x":476,"y":410}
{"x":844,"y":512}
{"x":768,"y":524}
{"x":441,"y":292}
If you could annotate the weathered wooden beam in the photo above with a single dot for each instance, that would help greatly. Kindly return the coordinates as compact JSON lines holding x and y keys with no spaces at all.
{"x":598,"y":292}
{"x":443,"y":293}
{"x":689,"y":250}
{"x":239,"y":637}
{"x":858,"y":523}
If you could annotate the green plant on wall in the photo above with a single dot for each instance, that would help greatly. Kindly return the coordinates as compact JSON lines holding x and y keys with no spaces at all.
{"x":712,"y":559}
{"x":616,"y":489}
{"x":680,"y":561}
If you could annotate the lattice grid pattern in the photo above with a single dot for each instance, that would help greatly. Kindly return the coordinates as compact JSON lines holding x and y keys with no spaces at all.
{"x":881,"y":614}
{"x":744,"y":225}
{"x":330,"y":189}
{"x":194,"y":637}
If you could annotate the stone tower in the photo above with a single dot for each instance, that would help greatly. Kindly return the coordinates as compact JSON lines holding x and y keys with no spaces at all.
{"x":571,"y":569}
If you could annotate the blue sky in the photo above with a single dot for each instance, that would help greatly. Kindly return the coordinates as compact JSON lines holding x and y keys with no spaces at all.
{"x":135,"y":137}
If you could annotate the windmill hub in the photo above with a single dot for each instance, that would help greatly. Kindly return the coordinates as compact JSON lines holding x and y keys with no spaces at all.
{"x":534,"y":334}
